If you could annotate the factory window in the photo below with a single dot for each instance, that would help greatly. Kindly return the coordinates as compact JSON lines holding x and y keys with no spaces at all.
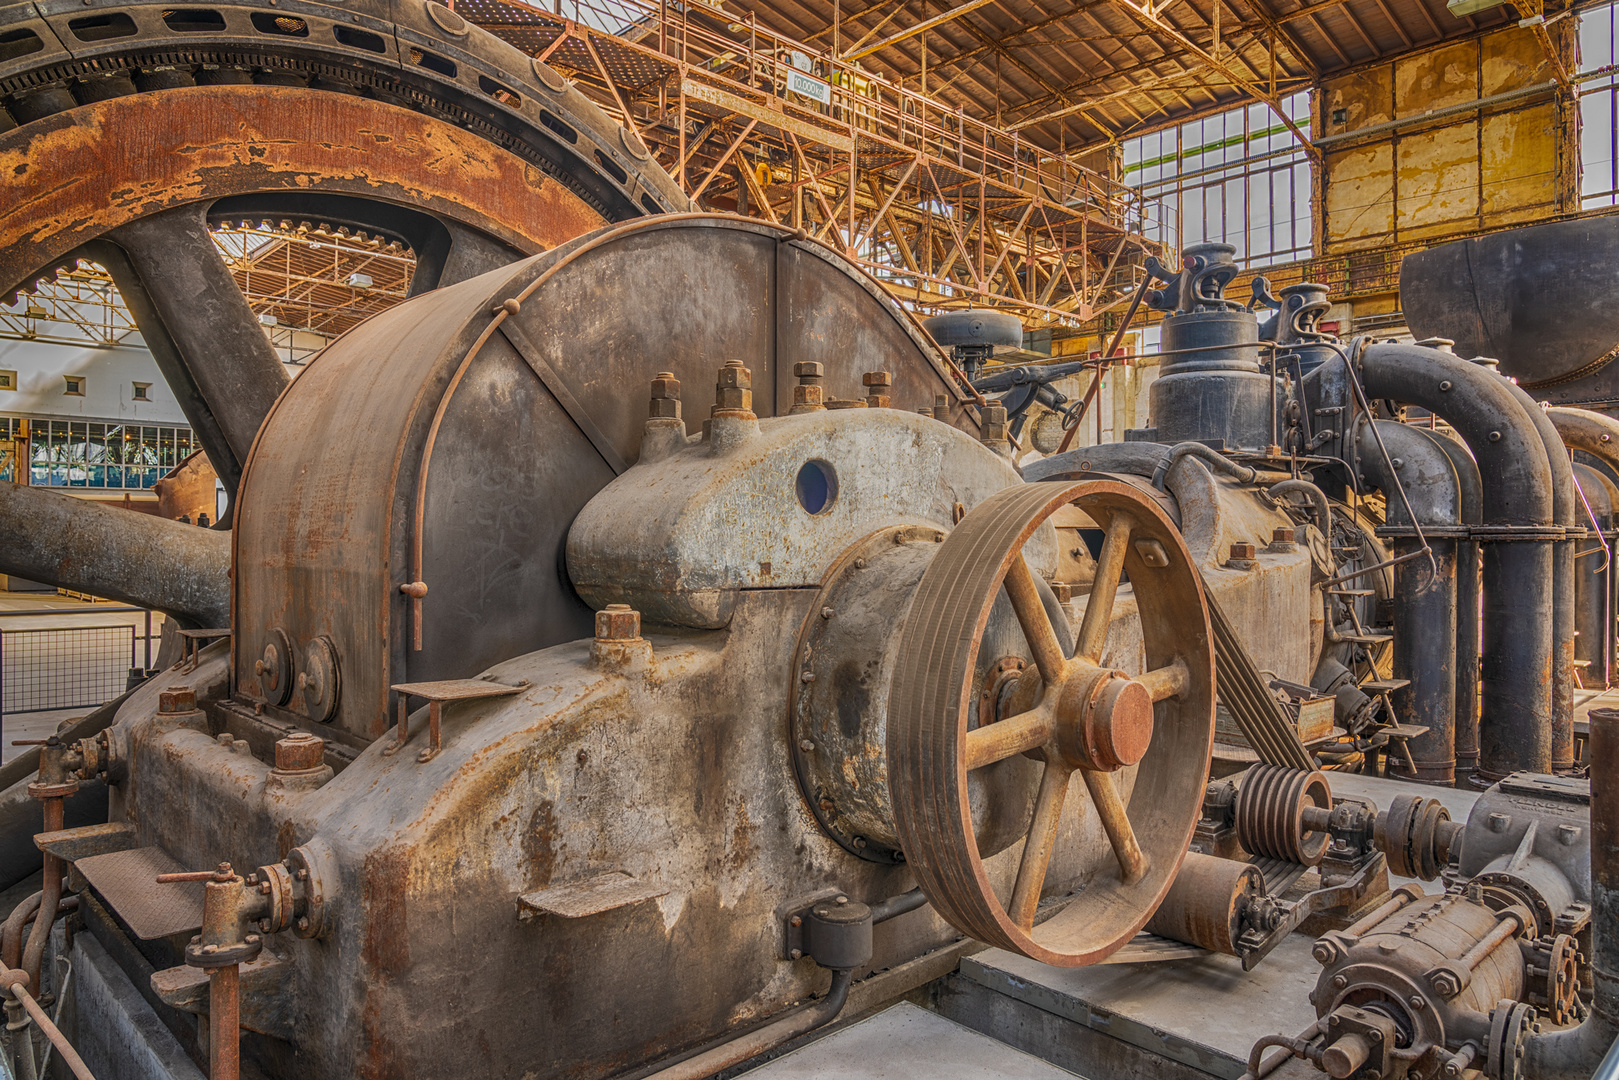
{"x":1240,"y":177}
{"x":1599,"y":108}
{"x":143,"y":391}
{"x":8,"y":380}
{"x":75,"y":385}
{"x":72,"y":453}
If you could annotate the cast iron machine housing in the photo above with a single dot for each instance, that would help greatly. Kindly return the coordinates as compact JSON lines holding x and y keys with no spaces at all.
{"x":682,"y":686}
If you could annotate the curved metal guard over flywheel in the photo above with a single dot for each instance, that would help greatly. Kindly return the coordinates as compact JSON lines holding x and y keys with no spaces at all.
{"x":1141,"y":743}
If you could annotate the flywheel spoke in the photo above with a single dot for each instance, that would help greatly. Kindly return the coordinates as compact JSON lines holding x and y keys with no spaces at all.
{"x":1042,"y":840}
{"x":206,"y":339}
{"x":1105,"y":586}
{"x":1110,"y":810}
{"x":1036,"y":623}
{"x":1016,"y":734}
{"x":1169,"y":681}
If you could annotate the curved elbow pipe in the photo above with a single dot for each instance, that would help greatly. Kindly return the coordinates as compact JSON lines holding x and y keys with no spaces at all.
{"x":181,"y":570}
{"x":1516,"y":674}
{"x":1203,"y":453}
{"x":1317,"y":497}
{"x":1582,"y":429}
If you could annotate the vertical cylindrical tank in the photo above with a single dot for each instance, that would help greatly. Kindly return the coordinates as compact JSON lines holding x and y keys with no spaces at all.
{"x":1210,"y":388}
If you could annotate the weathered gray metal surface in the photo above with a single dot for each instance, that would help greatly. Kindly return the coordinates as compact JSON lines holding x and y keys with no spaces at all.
{"x":678,"y":539}
{"x":112,"y":1026}
{"x":903,"y":1042}
{"x":106,"y":551}
{"x":1204,"y":1013}
{"x":337,"y":488}
{"x":1538,"y":298}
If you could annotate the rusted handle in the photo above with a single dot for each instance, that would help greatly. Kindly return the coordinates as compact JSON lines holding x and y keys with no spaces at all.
{"x":224,"y":873}
{"x":29,"y":742}
{"x":414,"y":589}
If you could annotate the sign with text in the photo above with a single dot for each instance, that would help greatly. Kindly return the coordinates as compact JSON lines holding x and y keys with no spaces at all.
{"x":799,"y":83}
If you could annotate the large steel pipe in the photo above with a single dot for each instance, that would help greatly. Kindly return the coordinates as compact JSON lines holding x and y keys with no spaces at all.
{"x":1518,"y":518}
{"x":1593,"y":581}
{"x":181,"y":570}
{"x":1567,"y":513}
{"x":1596,"y":434}
{"x":1424,"y":607}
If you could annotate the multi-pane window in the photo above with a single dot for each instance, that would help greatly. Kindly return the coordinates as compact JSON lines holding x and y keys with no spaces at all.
{"x":86,"y":454}
{"x":1240,"y":177}
{"x":1599,"y":108}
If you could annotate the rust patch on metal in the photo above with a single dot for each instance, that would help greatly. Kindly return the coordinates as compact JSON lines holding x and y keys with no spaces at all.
{"x":74,"y":176}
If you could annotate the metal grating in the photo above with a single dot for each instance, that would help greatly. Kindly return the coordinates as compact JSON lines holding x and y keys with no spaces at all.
{"x":127,"y":882}
{"x":65,"y":667}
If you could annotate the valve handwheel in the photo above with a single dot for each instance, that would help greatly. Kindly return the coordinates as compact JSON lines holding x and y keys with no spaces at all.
{"x":1082,"y":716}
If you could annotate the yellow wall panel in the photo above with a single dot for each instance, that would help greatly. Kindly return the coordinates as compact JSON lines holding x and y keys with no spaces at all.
{"x":1433,"y":80}
{"x":1518,"y":165}
{"x":1438,"y":173}
{"x":1359,"y":196}
{"x":1513,"y":60}
{"x":1364,"y":98}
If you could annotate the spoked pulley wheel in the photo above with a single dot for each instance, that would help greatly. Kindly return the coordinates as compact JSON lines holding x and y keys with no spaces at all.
{"x":1140,"y":743}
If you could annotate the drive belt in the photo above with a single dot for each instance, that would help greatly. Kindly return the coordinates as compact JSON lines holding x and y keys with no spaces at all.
{"x":1245,"y":694}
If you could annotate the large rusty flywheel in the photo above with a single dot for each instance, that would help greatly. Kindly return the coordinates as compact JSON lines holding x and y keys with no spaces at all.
{"x":1140,"y":743}
{"x":129,"y":130}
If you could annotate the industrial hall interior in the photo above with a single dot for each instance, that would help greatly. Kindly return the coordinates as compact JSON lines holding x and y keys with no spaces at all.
{"x":809,"y":539}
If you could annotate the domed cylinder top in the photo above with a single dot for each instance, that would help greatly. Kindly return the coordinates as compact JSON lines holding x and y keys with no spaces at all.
{"x":1210,"y":387}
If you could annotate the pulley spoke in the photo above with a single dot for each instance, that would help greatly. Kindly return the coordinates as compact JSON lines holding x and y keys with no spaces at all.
{"x":1036,"y":623}
{"x":1168,"y":681}
{"x":1116,"y":823}
{"x":1105,"y":586}
{"x":1042,"y":840}
{"x":990,"y":743}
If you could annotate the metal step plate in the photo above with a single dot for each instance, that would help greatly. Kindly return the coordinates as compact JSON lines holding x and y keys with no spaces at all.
{"x":127,"y":882}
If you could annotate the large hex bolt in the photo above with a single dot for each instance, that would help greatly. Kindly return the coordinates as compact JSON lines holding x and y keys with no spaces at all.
{"x":941,"y":407}
{"x":665,"y":401}
{"x":733,"y":392}
{"x":177,"y":699}
{"x":809,"y":395}
{"x":992,"y":423}
{"x":300,"y":752}
{"x":878,"y":385}
{"x":618,"y":622}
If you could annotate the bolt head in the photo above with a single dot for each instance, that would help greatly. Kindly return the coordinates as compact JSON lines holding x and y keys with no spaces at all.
{"x":665,"y":385}
{"x":805,"y":745}
{"x":843,"y":900}
{"x":210,"y":948}
{"x":1242,"y":551}
{"x":253,"y":939}
{"x":798,"y":920}
{"x":1281,"y":536}
{"x":302,"y":874}
{"x":1340,"y":981}
{"x":734,"y":376}
{"x":796,"y":953}
{"x":303,"y":922}
{"x":809,"y":369}
{"x":877,"y":378}
{"x":618,"y":622}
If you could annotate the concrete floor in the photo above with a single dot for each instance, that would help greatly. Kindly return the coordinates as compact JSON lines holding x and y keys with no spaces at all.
{"x":905,"y":1042}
